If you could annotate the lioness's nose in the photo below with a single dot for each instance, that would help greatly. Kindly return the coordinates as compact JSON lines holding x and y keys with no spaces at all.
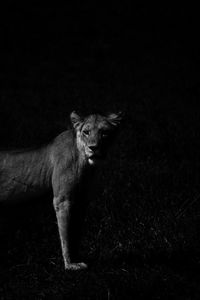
{"x":93,"y":147}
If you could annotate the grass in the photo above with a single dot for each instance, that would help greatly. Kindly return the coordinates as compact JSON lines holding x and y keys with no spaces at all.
{"x":136,"y":246}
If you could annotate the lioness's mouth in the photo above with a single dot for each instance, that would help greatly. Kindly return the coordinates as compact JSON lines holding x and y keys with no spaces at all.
{"x":94,"y":154}
{"x":94,"y":157}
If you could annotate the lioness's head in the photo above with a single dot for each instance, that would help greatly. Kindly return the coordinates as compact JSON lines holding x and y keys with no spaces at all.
{"x":93,"y":132}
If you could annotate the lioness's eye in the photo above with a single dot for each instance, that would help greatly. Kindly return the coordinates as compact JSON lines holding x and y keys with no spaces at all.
{"x":86,"y":132}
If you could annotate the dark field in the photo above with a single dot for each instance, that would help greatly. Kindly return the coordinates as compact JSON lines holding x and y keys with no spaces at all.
{"x":141,"y":233}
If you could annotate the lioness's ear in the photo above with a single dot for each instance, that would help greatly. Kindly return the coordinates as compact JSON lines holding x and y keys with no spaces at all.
{"x":75,"y":119}
{"x":115,"y":119}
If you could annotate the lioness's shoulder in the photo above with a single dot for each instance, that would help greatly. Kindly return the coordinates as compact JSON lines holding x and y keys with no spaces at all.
{"x":62,"y":146}
{"x":66,"y":138}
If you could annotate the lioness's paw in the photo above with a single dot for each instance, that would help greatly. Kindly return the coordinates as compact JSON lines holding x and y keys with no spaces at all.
{"x":76,"y":266}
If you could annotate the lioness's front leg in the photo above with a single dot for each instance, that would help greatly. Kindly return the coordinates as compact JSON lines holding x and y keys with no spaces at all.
{"x":62,"y":207}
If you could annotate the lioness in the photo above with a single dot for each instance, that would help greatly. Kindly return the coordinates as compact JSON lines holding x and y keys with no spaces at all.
{"x":60,"y":166}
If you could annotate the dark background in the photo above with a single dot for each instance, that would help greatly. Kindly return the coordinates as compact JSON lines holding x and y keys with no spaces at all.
{"x":141,"y":233}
